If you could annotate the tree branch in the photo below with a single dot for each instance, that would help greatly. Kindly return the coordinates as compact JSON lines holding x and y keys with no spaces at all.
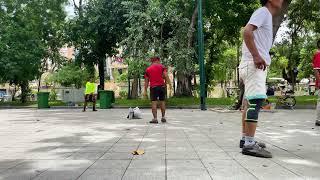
{"x":277,"y":20}
{"x":192,"y":25}
{"x":75,"y":5}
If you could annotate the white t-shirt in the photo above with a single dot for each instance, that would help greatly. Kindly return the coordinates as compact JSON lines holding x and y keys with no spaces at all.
{"x":263,"y":35}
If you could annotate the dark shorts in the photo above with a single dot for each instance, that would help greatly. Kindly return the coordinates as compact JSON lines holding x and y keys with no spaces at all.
{"x":90,"y":98}
{"x":158,"y":93}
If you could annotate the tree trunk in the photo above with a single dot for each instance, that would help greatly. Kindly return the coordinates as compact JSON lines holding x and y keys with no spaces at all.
{"x":129,"y":88}
{"x":184,"y":85}
{"x":13,"y":93}
{"x":134,"y":90}
{"x":174,"y":83}
{"x":24,"y":91}
{"x":39,"y":83}
{"x":184,"y":88}
{"x":101,"y":72}
{"x":140,"y":89}
{"x":277,"y":20}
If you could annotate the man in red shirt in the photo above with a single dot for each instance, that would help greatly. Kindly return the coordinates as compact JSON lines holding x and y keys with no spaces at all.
{"x":156,"y":74}
{"x":316,"y":68}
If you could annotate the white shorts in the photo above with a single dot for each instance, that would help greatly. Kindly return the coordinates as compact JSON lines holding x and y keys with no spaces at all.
{"x":254,"y":80}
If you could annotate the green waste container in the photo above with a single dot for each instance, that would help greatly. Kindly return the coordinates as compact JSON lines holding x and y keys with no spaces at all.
{"x":106,"y":99}
{"x":43,"y":100}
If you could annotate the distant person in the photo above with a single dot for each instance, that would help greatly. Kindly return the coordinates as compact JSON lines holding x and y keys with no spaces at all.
{"x":316,"y":69}
{"x":157,"y":76}
{"x":90,"y":94}
{"x":258,"y":39}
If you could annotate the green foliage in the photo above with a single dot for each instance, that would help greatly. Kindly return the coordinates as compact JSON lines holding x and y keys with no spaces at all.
{"x":303,"y":20}
{"x":123,"y":94}
{"x":224,"y":69}
{"x":159,"y":28}
{"x":136,"y":67}
{"x":29,"y":31}
{"x":122,"y":78}
{"x":96,"y":31}
{"x":305,"y":66}
{"x":224,"y":20}
{"x":53,"y":95}
{"x":71,"y":75}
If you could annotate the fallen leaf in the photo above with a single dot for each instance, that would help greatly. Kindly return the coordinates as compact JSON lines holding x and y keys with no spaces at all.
{"x":138,"y":152}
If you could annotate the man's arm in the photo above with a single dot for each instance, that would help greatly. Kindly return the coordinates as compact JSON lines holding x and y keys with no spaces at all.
{"x":146,"y":85}
{"x":317,"y":75}
{"x":249,"y":40}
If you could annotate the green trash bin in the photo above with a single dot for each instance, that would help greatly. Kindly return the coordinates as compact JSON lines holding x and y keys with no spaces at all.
{"x":106,"y":99}
{"x":43,"y":100}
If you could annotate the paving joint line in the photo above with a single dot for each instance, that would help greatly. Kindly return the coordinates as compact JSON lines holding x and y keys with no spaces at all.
{"x":147,"y":131}
{"x":49,"y":167}
{"x":280,"y":149}
{"x":165,"y":152}
{"x":199,"y":158}
{"x":229,"y":154}
{"x":102,"y":155}
{"x":279,"y":146}
{"x":287,"y":169}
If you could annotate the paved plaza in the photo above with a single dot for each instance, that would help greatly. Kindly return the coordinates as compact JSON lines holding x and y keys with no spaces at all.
{"x":193,"y":145}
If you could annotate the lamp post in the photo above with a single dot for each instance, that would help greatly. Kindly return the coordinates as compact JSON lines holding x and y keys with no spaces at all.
{"x":201,"y":58}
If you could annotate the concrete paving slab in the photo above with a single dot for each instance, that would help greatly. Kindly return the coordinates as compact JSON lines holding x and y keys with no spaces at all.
{"x":64,"y":144}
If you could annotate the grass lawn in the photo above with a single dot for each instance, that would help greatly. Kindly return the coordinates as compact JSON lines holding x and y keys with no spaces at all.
{"x":301,"y":100}
{"x":30,"y":104}
{"x":178,"y":102}
{"x":175,"y":102}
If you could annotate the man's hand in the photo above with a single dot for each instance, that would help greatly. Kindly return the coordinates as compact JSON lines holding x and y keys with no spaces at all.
{"x":260,"y":63}
{"x":145,"y":95}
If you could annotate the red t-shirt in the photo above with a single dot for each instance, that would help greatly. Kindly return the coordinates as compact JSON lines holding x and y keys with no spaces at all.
{"x":316,"y":60}
{"x":316,"y":64}
{"x":155,"y":75}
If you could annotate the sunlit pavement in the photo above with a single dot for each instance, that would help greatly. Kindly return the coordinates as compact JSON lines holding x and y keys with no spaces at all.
{"x":69,"y":144}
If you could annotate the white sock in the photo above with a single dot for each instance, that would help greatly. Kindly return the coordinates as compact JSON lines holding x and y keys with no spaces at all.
{"x":249,"y":141}
{"x":243,"y":136}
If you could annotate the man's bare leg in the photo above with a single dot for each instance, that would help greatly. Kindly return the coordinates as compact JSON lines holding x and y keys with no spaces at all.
{"x":85,"y":103}
{"x":94,"y":99}
{"x":163,"y":111}
{"x":154,"y":112}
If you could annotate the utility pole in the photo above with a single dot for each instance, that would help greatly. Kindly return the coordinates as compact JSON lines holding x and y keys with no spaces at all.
{"x":201,"y":58}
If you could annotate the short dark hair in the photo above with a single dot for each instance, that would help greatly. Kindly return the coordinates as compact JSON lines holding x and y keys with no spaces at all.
{"x":154,"y":59}
{"x":318,"y":44}
{"x":263,"y":2}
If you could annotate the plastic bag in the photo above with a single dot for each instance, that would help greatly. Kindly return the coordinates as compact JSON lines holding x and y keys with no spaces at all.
{"x":134,"y":113}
